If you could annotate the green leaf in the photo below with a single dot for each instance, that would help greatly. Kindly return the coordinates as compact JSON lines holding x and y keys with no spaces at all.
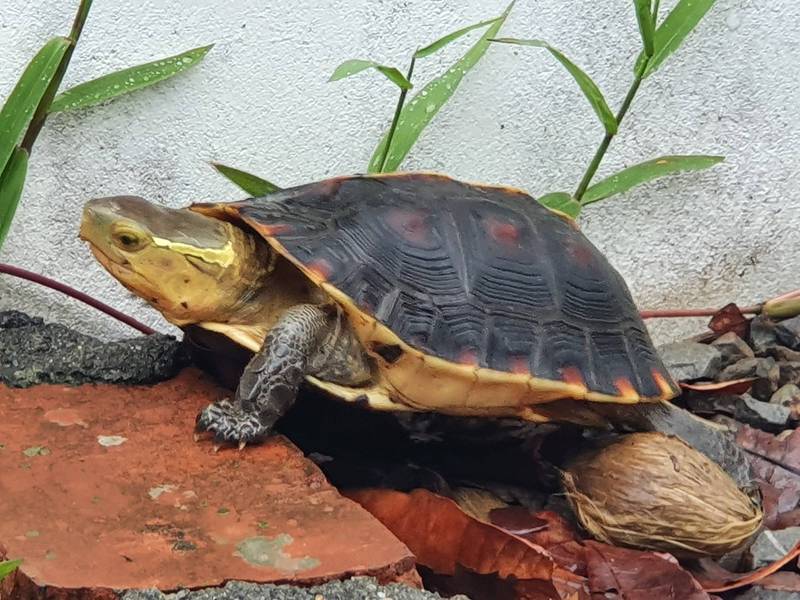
{"x":670,"y":35}
{"x":588,"y":87}
{"x":127,"y":80}
{"x":646,"y":171}
{"x":252,"y":184}
{"x":451,"y":37}
{"x":646,"y":25}
{"x":351,"y":67}
{"x":562,"y":202}
{"x":7,"y":567}
{"x":416,"y":114}
{"x":26,"y":95}
{"x":12,"y":180}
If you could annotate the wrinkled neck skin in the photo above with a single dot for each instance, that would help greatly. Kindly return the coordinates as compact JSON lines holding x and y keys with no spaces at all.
{"x":269,"y":284}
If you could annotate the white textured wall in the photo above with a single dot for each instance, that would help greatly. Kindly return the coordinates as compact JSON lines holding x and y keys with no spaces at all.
{"x":261,"y":101}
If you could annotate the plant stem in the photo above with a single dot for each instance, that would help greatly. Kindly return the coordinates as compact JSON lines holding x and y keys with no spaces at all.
{"x":40,"y":116}
{"x":73,"y":293}
{"x":601,"y":151}
{"x":692,"y":312}
{"x":400,"y":102}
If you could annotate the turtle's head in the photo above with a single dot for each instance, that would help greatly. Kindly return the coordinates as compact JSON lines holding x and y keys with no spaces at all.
{"x":190,"y":267}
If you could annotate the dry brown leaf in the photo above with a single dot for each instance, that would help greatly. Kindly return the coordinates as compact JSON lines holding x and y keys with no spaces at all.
{"x":722,"y":388}
{"x":445,"y":539}
{"x":547,"y":529}
{"x":719,"y":580}
{"x":623,"y":574}
{"x":729,"y":318}
{"x":776,"y":463}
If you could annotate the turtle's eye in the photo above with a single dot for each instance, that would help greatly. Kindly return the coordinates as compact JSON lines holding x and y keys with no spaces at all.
{"x":127,"y":239}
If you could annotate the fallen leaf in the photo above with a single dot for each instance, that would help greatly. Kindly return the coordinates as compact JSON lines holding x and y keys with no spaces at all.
{"x":782,"y":581}
{"x":714,"y":578}
{"x":721,"y":388}
{"x":546,"y":529}
{"x":729,"y":318}
{"x":623,"y":574}
{"x":446,"y":540}
{"x":776,"y":464}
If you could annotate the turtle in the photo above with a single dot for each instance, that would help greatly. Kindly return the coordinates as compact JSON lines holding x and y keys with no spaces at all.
{"x":403,"y":292}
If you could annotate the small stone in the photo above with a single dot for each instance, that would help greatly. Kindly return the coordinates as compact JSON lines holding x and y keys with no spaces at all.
{"x":773,"y":545}
{"x":784,"y":354}
{"x":733,"y":348}
{"x":766,"y":372}
{"x":789,"y":373}
{"x":760,"y":593}
{"x":689,"y":361}
{"x":788,"y":332}
{"x":744,"y":409}
{"x":768,"y":415}
{"x":787,"y":395}
{"x":762,"y":335}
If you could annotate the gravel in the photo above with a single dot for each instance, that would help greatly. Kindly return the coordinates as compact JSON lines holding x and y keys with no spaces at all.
{"x":358,"y":588}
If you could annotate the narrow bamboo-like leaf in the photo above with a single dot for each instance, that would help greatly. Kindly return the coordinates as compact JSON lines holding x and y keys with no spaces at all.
{"x":442,"y":42}
{"x":12,"y":180}
{"x":680,"y":22}
{"x":588,"y":87}
{"x":646,"y":171}
{"x":562,"y":202}
{"x":252,"y":184}
{"x":646,"y":25}
{"x":7,"y":567}
{"x":351,"y":67}
{"x":26,"y":95}
{"x":127,"y":80}
{"x":416,"y":114}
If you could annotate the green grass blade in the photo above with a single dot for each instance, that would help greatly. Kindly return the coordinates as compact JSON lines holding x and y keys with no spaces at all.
{"x":416,"y":115}
{"x":127,"y":80}
{"x":670,"y":35}
{"x":647,"y":171}
{"x":646,"y":25}
{"x":562,"y":202}
{"x":252,"y":184}
{"x":588,"y":87}
{"x":450,"y":37}
{"x":26,"y":95}
{"x":351,"y":67}
{"x":7,"y":567}
{"x":12,"y":180}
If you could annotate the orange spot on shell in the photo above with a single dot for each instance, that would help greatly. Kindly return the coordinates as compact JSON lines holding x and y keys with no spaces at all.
{"x":626,"y":389}
{"x":320,"y":268}
{"x":410,"y":225}
{"x":666,"y":389}
{"x":520,"y":365}
{"x":275,"y":229}
{"x":572,"y":376}
{"x":503,"y":232}
{"x":468,"y":357}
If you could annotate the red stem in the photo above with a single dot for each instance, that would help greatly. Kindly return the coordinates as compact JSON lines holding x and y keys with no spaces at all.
{"x":692,"y":312}
{"x":73,"y":293}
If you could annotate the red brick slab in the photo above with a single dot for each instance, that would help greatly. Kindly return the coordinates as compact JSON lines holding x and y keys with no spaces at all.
{"x":103,"y":488}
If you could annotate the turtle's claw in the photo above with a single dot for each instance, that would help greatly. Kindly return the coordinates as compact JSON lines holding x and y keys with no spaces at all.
{"x":230,"y":424}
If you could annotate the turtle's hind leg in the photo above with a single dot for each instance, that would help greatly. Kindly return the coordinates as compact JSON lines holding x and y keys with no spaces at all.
{"x":707,"y":437}
{"x":268,"y":387}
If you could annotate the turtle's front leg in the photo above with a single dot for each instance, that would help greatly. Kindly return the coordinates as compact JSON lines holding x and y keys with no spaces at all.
{"x":268,"y":387}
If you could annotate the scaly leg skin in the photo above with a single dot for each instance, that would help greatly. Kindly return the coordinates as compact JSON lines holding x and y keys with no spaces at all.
{"x":268,"y":387}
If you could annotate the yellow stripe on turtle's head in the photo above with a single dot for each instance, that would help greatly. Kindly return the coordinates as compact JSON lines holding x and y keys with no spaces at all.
{"x":189,"y":266}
